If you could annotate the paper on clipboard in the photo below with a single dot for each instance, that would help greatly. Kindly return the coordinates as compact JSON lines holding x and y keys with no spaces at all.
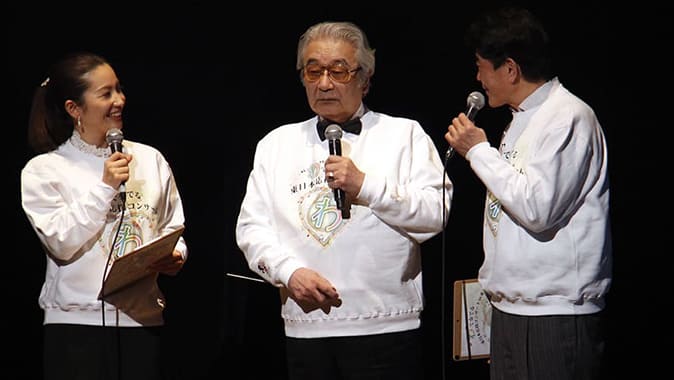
{"x":472,"y":321}
{"x":133,"y":266}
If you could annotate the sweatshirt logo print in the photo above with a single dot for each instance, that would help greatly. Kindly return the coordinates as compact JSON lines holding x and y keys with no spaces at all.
{"x":320,"y":216}
{"x":493,"y":212}
{"x":127,"y":240}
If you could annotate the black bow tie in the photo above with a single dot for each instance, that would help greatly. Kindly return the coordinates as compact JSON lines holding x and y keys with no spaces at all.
{"x":352,"y":126}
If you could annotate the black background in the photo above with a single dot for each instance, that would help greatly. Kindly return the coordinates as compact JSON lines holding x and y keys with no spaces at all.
{"x":205,"y":81}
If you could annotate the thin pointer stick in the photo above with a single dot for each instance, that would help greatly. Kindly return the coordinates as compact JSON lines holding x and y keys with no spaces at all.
{"x":244,"y":277}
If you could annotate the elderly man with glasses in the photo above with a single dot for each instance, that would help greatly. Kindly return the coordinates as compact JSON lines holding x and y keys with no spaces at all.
{"x":350,"y":282}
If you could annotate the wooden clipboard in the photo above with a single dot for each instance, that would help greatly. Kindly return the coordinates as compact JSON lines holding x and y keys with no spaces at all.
{"x":133,"y":266}
{"x":472,"y":321}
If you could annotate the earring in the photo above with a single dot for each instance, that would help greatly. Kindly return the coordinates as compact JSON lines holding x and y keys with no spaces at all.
{"x":80,"y":129}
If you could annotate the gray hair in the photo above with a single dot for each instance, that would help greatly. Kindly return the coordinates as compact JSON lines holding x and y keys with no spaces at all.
{"x":343,"y":31}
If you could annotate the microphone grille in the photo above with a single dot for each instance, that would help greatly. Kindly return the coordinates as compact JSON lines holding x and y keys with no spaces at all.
{"x":333,"y":132}
{"x":114,"y":135}
{"x":475,"y":100}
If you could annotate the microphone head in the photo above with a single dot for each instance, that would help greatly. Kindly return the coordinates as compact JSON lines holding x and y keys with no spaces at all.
{"x":475,"y":100}
{"x":333,"y":132}
{"x":114,"y":135}
{"x":114,"y":138}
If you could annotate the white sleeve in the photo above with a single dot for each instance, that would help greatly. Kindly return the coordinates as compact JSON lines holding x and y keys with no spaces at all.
{"x":255,"y":232}
{"x":419,"y":197}
{"x":63,"y":222}
{"x":555,"y":177}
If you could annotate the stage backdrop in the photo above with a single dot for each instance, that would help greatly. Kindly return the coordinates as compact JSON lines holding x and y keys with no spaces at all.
{"x":204,"y":84}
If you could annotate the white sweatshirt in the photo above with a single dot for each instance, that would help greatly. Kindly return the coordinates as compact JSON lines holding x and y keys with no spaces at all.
{"x":547,"y":238}
{"x":75,"y":216}
{"x":288,"y":219}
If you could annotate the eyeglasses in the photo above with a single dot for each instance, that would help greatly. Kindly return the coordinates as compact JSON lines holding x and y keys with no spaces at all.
{"x":338,"y":73}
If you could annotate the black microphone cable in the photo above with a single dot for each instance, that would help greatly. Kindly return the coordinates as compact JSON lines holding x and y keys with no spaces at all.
{"x":474,"y":103}
{"x":107,"y":266}
{"x":443,"y":349}
{"x":105,"y":273}
{"x":114,"y":137}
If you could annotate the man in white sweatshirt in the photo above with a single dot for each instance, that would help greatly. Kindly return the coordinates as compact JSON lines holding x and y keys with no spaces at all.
{"x":350,"y":278}
{"x":547,"y":240}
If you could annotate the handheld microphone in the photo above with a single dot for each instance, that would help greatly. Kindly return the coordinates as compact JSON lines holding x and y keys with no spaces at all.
{"x":114,"y":137}
{"x":474,"y":103}
{"x":333,"y":133}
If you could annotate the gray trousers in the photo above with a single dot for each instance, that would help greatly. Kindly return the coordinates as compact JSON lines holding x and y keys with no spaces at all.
{"x":551,"y":347}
